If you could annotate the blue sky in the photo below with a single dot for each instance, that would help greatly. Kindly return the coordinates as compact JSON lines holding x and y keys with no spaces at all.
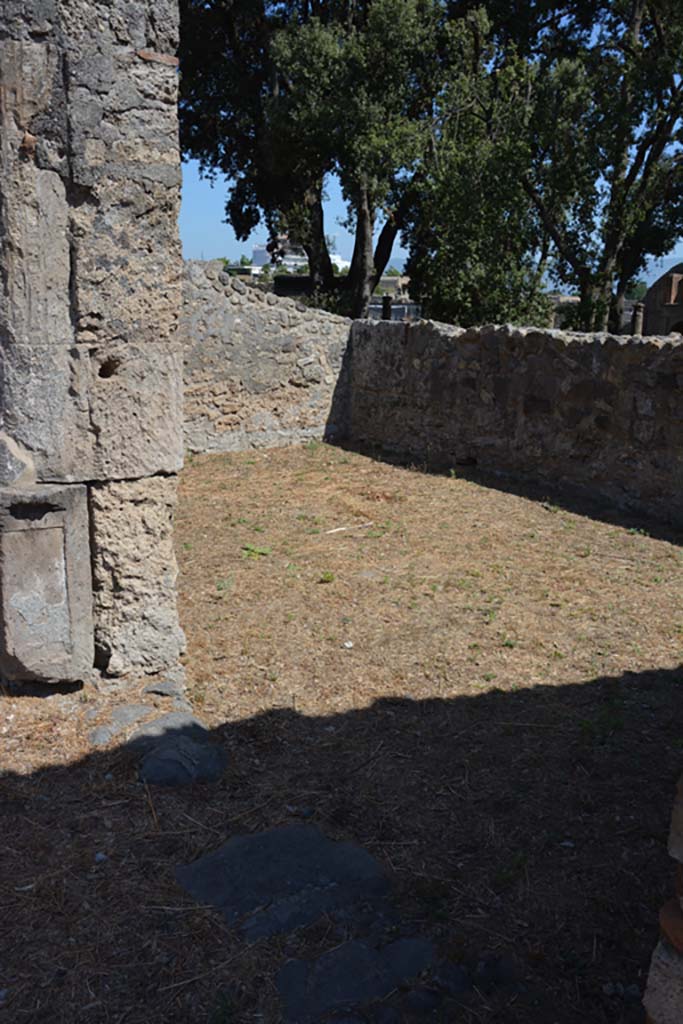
{"x":205,"y":235}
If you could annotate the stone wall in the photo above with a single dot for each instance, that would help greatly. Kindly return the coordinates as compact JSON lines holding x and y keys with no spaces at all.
{"x":592,"y":411}
{"x":259,"y":370}
{"x":663,"y":306}
{"x":90,"y":365}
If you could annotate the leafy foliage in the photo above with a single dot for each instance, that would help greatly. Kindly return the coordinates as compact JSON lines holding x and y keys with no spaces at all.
{"x":604,"y":127}
{"x":280,"y":95}
{"x":478,"y":250}
{"x":510,"y":143}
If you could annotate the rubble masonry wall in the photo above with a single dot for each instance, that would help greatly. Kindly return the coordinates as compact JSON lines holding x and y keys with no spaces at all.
{"x":595,"y":412}
{"x":259,"y":370}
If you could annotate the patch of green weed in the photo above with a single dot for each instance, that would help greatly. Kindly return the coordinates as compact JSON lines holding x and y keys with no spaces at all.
{"x":252,"y":551}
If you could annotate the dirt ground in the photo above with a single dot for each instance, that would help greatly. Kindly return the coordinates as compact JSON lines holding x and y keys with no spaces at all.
{"x":481,"y":687}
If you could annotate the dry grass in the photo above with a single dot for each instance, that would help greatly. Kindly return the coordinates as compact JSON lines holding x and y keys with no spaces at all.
{"x":480,"y":688}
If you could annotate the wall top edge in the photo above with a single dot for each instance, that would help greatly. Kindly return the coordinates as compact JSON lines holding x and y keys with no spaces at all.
{"x":515,"y":333}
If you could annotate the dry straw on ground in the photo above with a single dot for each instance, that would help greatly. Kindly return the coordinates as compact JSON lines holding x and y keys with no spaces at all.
{"x":481,"y":688}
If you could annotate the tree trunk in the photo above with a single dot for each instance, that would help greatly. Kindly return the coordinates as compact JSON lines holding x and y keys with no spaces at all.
{"x":604,"y":304}
{"x":587,"y":294}
{"x":385,"y":244}
{"x":319,"y":262}
{"x":617,"y":207}
{"x":361,"y":278}
{"x":616,"y":313}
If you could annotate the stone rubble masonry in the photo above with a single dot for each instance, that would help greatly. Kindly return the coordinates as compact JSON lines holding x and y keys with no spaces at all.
{"x":90,"y":288}
{"x":598,"y":413}
{"x":134,"y":575}
{"x":259,"y":370}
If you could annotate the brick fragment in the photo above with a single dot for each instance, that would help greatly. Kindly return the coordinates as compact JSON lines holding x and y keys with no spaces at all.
{"x":158,"y":58}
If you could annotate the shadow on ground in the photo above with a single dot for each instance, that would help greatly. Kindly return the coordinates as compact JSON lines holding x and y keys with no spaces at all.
{"x":571,"y":497}
{"x":525,"y":829}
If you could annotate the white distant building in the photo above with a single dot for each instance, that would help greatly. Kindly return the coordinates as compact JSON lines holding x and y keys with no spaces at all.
{"x":294,"y":260}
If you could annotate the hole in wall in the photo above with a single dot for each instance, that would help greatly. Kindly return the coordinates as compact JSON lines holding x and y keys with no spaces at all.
{"x":32,"y":511}
{"x":109,"y":367}
{"x":102,"y":656}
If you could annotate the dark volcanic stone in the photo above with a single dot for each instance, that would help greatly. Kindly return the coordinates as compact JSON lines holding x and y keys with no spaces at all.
{"x":422,"y":1001}
{"x":168,"y":727}
{"x":496,"y":972}
{"x":121,"y":718}
{"x":181,"y":761}
{"x":283,"y":879}
{"x":452,"y":979}
{"x":384,"y":1014}
{"x":349,"y":976}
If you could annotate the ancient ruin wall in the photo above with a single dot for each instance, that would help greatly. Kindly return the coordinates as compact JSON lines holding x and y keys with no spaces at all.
{"x":593,"y":411}
{"x":259,"y":370}
{"x":90,"y":367}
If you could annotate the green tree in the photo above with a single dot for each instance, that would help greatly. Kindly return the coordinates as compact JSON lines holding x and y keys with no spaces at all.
{"x":603,"y":126}
{"x":478,"y":251}
{"x":538,"y":141}
{"x":593,"y":140}
{"x":278,"y":96}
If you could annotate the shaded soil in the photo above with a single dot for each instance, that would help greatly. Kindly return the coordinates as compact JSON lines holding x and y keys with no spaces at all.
{"x":481,"y":689}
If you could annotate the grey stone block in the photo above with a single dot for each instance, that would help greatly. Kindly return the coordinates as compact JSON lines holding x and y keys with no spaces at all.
{"x":349,"y":976}
{"x":166,"y":729}
{"x":181,"y":761}
{"x":34,"y":257}
{"x":663,"y":999}
{"x":283,"y":879}
{"x":169,"y":684}
{"x":91,"y":412}
{"x":121,"y":718}
{"x":136,"y":409}
{"x":90,"y":276}
{"x":46,"y":627}
{"x":16,"y":466}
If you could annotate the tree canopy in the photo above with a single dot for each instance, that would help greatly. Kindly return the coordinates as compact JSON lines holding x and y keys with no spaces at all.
{"x":280,"y":95}
{"x":604,"y":126}
{"x":512,"y":143}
